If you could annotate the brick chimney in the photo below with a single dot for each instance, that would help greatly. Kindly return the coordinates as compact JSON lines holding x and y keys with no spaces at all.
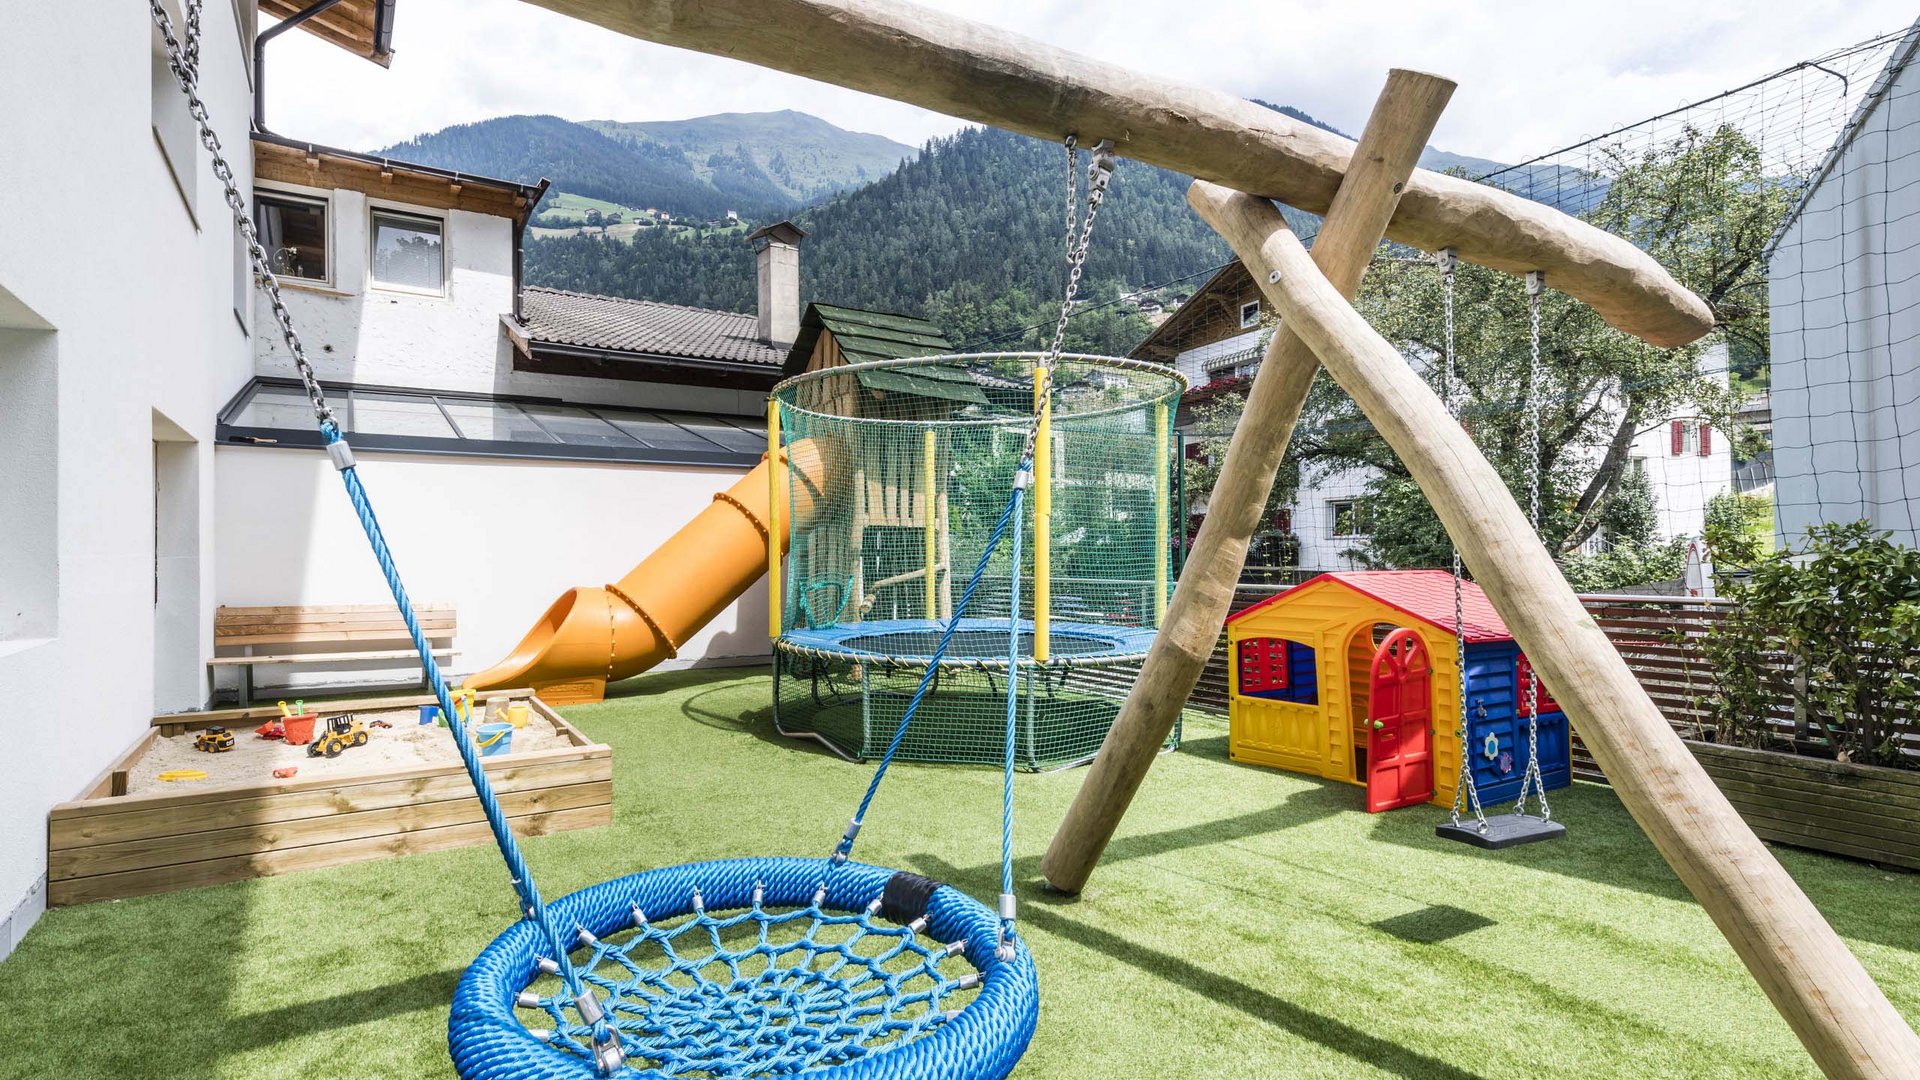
{"x":776,"y":257}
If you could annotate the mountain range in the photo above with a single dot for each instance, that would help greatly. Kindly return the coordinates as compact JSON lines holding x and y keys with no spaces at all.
{"x":760,"y":165}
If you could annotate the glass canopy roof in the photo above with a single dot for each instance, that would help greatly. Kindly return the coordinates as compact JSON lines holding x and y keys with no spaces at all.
{"x":274,"y":412}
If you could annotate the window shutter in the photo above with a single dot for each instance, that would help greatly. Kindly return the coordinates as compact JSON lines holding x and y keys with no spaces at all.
{"x":1706,"y":440}
{"x":1679,"y":429}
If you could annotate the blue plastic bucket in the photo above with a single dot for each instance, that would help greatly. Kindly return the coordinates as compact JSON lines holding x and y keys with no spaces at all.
{"x":429,"y":713}
{"x":493,"y":739}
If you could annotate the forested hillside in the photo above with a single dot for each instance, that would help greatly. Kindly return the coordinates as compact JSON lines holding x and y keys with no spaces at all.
{"x":968,"y":234}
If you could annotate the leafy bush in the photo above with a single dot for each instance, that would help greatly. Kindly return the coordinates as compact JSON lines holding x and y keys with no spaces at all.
{"x":1738,"y":530}
{"x":1838,"y":617}
{"x":1626,"y":564}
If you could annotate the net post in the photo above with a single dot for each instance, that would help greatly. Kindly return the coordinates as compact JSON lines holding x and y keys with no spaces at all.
{"x":1042,"y":517}
{"x":1161,"y":512}
{"x":930,"y":507}
{"x":773,"y":519}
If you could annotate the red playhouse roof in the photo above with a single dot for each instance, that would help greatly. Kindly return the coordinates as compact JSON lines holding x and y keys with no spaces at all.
{"x":1426,"y":595}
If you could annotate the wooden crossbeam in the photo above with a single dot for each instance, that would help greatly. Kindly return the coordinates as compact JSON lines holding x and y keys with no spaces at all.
{"x":967,"y":69}
{"x":1841,"y":1017}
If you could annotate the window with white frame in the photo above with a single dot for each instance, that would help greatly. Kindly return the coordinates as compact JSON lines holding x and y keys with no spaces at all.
{"x":294,"y":231}
{"x":407,"y":252}
{"x":1349,"y":517}
{"x":1249,"y":314}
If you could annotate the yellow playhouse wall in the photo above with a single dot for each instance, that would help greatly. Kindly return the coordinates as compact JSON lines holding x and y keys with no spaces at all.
{"x":1317,"y":739}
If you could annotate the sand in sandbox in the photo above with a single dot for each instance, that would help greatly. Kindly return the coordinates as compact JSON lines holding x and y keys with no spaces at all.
{"x":407,"y":744}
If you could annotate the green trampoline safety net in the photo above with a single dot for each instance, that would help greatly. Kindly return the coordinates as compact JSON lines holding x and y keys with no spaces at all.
{"x":899,"y":472}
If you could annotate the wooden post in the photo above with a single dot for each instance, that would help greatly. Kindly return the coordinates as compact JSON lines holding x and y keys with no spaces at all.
{"x":1841,"y":1017}
{"x":1402,"y":119}
{"x":1162,"y":511}
{"x":952,"y":65}
{"x":929,"y":509}
{"x":1042,"y":519}
{"x":774,"y":598}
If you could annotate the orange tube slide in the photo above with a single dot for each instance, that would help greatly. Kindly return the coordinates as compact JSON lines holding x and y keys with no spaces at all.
{"x":595,"y":635}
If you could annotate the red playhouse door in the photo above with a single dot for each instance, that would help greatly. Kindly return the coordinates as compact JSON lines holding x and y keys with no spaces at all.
{"x":1399,"y":724}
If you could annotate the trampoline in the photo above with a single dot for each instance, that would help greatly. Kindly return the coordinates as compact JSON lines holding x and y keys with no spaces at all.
{"x":900,"y":472}
{"x":976,"y":642}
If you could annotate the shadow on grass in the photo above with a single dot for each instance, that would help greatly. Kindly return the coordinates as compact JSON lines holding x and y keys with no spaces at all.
{"x":1254,"y":1002}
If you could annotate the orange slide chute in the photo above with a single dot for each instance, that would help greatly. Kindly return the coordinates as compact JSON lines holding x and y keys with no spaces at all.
{"x":594,"y":635}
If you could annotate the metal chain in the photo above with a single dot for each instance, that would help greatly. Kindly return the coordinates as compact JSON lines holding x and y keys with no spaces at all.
{"x":1531,"y":779}
{"x":1465,"y":793}
{"x":183,"y":61}
{"x":1099,"y":176}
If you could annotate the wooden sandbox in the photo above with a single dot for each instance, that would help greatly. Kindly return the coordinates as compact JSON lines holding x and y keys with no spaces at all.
{"x":107,"y":844}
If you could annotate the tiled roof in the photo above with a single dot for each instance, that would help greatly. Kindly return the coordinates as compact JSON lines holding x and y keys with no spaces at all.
{"x":643,"y":326}
{"x":1426,"y":595}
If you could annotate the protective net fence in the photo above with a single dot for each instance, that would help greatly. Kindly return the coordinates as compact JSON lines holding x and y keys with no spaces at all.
{"x":900,"y":471}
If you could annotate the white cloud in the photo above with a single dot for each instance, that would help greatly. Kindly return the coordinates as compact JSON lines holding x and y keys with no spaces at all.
{"x":1533,"y":76}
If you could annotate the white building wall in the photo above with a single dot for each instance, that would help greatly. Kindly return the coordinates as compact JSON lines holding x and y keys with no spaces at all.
{"x":499,"y":539}
{"x":358,"y":331}
{"x":1845,"y":296}
{"x":123,"y":335}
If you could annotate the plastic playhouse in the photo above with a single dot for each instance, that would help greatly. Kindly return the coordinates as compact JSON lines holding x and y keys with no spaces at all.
{"x":1354,"y":676}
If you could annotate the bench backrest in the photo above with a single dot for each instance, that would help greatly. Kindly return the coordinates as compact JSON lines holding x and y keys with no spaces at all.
{"x":326,"y":623}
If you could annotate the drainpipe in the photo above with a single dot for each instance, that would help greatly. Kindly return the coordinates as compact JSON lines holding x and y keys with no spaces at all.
{"x":260,"y":55}
{"x":520,"y":244}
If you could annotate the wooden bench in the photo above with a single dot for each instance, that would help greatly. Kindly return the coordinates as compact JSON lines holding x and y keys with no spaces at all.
{"x":317,"y":635}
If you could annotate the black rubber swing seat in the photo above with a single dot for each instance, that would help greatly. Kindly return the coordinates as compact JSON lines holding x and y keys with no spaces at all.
{"x":1502,"y":831}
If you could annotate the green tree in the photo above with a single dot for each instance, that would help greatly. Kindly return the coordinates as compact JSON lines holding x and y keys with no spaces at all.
{"x":1738,"y":530}
{"x":1699,"y":203}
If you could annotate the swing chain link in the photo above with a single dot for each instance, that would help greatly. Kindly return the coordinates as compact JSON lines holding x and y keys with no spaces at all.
{"x":184,"y":61}
{"x":1465,"y":793}
{"x":1079,"y":235}
{"x":1532,"y":779}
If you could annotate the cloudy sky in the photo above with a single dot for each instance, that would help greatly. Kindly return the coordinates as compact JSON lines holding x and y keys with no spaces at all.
{"x":1533,"y":76}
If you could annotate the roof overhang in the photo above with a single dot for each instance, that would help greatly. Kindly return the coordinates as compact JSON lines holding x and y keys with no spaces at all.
{"x":557,"y":358}
{"x":362,"y":27}
{"x":289,"y":161}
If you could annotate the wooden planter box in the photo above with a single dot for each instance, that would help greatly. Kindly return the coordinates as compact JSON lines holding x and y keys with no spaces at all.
{"x":104,"y":846}
{"x":1861,"y":811}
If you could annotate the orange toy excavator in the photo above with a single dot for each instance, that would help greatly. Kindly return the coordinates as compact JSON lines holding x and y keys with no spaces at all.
{"x":595,"y":635}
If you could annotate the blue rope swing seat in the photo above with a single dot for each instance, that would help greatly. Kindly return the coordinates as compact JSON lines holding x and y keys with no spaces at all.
{"x":749,"y":967}
{"x":761,"y":967}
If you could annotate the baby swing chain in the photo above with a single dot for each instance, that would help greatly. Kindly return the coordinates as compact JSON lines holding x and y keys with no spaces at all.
{"x":1531,"y":779}
{"x":1464,"y":791}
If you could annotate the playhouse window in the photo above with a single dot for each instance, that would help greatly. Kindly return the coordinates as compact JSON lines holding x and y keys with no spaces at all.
{"x":1263,"y":665}
{"x":1521,"y":670}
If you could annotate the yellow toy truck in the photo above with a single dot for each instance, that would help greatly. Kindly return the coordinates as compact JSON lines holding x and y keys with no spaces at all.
{"x":343,"y":732}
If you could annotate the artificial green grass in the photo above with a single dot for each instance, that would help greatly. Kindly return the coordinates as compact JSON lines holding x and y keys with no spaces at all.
{"x":1246,"y":923}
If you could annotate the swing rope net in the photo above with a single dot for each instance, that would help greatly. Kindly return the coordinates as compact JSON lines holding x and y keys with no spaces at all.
{"x":914,"y":456}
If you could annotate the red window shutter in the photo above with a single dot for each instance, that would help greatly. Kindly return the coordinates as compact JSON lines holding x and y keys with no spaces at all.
{"x":1679,"y":429}
{"x":1706,"y":440}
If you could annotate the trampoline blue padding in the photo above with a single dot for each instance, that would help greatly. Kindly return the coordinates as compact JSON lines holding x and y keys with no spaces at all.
{"x":705,"y":984}
{"x":975,"y":641}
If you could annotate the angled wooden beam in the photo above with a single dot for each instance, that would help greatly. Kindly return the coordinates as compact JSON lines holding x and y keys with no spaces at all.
{"x":977,"y":72}
{"x":1841,"y":1017}
{"x":1397,"y":131}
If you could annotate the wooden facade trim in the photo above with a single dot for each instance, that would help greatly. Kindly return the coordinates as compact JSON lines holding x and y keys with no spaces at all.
{"x":316,"y":167}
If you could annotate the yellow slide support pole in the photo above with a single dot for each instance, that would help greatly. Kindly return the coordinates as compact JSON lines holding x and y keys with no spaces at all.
{"x":1042,"y":516}
{"x":930,"y":507}
{"x":773,"y":520}
{"x":1162,"y":512}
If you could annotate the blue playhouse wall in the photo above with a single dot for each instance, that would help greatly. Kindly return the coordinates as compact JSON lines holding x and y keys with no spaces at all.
{"x":1491,"y":686}
{"x":1302,"y":681}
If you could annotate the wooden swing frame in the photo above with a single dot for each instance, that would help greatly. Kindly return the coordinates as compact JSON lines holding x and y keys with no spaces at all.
{"x":1247,"y":156}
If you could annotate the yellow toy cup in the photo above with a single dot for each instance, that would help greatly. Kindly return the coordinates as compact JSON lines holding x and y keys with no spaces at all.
{"x":517,"y":714}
